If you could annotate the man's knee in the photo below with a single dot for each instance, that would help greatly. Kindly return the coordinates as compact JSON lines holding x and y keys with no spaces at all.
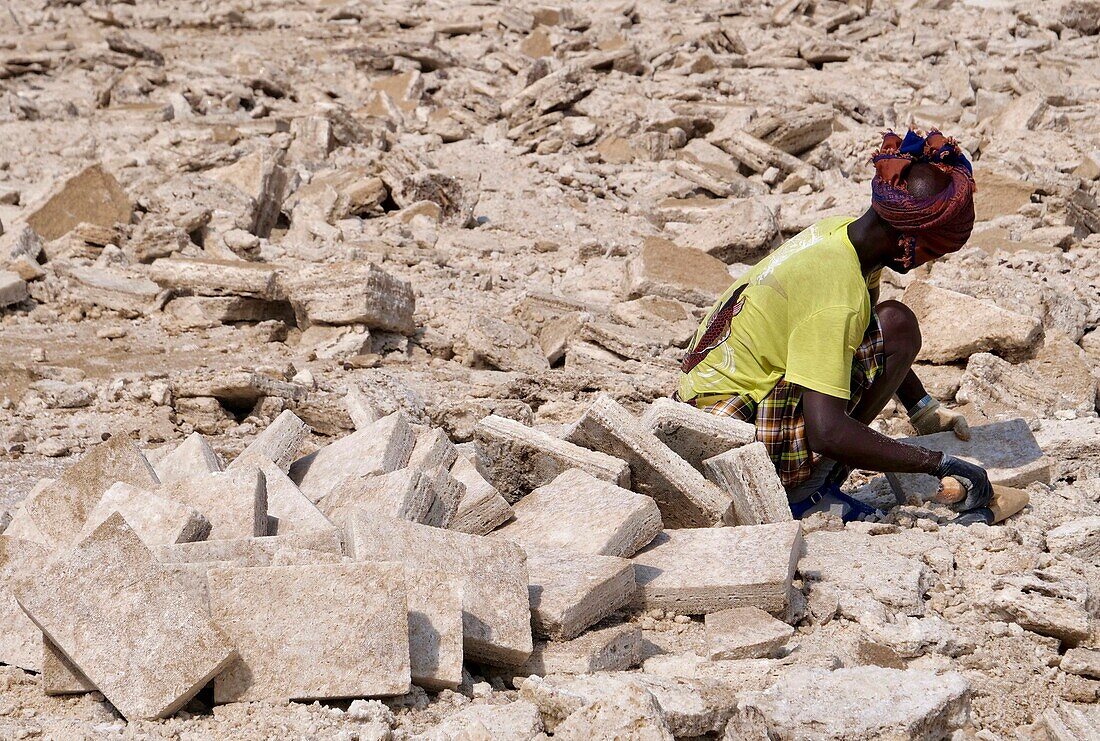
{"x":900,"y":328}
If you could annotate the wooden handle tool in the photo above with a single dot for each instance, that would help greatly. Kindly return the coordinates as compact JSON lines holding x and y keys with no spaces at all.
{"x":1006,"y":501}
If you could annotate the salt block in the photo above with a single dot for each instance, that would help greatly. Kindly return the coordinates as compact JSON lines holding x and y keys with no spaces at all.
{"x":481,"y":508}
{"x":684,"y":496}
{"x":156,"y":520}
{"x":581,"y":513}
{"x":129,"y":628}
{"x":323,"y":631}
{"x":954,"y":325}
{"x":192,"y":457}
{"x":435,"y":630}
{"x":279,"y":442}
{"x":744,"y":633}
{"x":1066,"y":722}
{"x":288,"y":509}
{"x":1080,"y":537}
{"x":702,"y":570}
{"x":382,"y":447}
{"x":860,"y":703}
{"x":496,"y":607}
{"x":607,"y":649}
{"x":235,"y":501}
{"x":630,"y":712}
{"x":405,"y":494}
{"x":571,"y":592}
{"x":362,"y":412}
{"x":520,"y":458}
{"x":19,"y":637}
{"x":250,"y":551}
{"x":687,"y":706}
{"x":1006,"y":450}
{"x":694,"y":434}
{"x":749,"y":476}
{"x":449,"y":493}
{"x":59,"y":675}
{"x":433,"y":450}
{"x":58,"y":510}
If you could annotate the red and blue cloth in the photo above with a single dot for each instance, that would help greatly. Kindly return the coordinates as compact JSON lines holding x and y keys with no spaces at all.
{"x":930,"y":227}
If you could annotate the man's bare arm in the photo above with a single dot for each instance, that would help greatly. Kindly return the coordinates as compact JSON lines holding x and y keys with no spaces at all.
{"x":831,"y":432}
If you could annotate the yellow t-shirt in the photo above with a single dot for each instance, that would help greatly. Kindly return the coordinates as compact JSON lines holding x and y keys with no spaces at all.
{"x":806,"y":309}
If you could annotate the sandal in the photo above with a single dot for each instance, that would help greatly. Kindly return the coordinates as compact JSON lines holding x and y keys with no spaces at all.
{"x":854,"y":510}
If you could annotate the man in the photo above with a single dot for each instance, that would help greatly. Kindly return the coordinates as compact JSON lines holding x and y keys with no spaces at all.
{"x":801,"y":346}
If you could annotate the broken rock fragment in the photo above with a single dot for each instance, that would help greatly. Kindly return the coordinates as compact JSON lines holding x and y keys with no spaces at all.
{"x":599,"y":650}
{"x":352,"y":294}
{"x":866,"y":702}
{"x":481,"y":508}
{"x":954,"y":326}
{"x":663,"y":268}
{"x":92,"y":196}
{"x":749,"y":476}
{"x":744,"y":633}
{"x":94,"y":602}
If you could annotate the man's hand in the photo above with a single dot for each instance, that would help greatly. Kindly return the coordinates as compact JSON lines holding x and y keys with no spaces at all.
{"x":934,"y":417}
{"x":979,"y":491}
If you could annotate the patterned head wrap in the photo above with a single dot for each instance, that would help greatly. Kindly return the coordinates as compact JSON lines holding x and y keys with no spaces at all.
{"x":930,"y":227}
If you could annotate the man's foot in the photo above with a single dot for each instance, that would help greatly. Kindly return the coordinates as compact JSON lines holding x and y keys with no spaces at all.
{"x":832,"y":499}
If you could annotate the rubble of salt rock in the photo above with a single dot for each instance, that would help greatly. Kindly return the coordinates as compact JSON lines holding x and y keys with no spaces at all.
{"x":337,"y":337}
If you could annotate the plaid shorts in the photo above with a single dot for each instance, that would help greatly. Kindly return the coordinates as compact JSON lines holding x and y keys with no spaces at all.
{"x":780,"y":423}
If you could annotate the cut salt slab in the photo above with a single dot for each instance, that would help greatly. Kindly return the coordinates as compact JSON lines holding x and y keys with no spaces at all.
{"x":250,"y":551}
{"x":496,"y":607}
{"x":433,"y":450}
{"x":324,"y":631}
{"x":157,"y":520}
{"x":571,"y":592}
{"x":481,"y":508}
{"x":279,"y":442}
{"x":744,"y":633}
{"x":1006,"y":450}
{"x":694,"y":434}
{"x":617,"y":648}
{"x":856,"y":704}
{"x":382,"y":447}
{"x":520,"y":458}
{"x":581,"y":513}
{"x":435,"y":630}
{"x":129,"y":627}
{"x":684,"y":496}
{"x":406,"y":494}
{"x":192,"y":457}
{"x":702,"y":570}
{"x":449,"y":493}
{"x":19,"y":637}
{"x":58,"y":510}
{"x":749,"y":476}
{"x":288,"y":509}
{"x":59,"y":675}
{"x":235,"y":502}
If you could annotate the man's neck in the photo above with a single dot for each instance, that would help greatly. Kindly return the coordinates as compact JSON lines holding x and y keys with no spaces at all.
{"x":873,"y":239}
